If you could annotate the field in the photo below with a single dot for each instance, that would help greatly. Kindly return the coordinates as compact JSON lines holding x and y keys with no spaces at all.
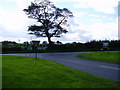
{"x":27,"y":72}
{"x":106,"y":56}
{"x":0,"y":72}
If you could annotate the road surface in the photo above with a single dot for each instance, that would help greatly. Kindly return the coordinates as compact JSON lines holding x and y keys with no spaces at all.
{"x":101,"y":69}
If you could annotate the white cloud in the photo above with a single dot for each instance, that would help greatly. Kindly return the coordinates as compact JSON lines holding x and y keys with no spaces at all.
{"x":92,"y":15}
{"x":79,"y":14}
{"x":23,"y":3}
{"x":104,"y":31}
{"x":105,"y":6}
{"x":14,"y":24}
{"x":13,"y":21}
{"x":118,"y":19}
{"x":76,"y":33}
{"x":95,"y":31}
{"x":20,"y":40}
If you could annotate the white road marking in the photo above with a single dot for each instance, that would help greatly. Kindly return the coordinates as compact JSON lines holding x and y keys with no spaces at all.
{"x":110,"y":67}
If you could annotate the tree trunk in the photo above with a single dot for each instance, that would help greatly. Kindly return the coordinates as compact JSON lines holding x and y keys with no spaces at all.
{"x":48,"y":36}
{"x":49,"y":40}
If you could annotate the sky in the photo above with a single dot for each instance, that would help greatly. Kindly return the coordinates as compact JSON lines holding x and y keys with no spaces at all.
{"x":93,"y":20}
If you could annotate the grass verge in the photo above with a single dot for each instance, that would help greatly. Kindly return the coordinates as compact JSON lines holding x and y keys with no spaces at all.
{"x":27,"y":72}
{"x":106,"y":56}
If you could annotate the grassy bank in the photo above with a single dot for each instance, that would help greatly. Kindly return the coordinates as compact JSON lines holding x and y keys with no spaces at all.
{"x":108,"y":56}
{"x":27,"y":72}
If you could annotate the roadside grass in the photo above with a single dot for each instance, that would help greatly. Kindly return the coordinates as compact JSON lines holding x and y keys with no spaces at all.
{"x":0,"y":72}
{"x":105,"y":56}
{"x":27,"y":72}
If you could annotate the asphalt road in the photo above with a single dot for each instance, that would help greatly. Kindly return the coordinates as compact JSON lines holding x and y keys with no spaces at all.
{"x":101,"y":69}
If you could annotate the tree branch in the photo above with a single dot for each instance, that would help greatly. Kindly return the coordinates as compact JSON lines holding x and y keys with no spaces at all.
{"x":61,"y":21}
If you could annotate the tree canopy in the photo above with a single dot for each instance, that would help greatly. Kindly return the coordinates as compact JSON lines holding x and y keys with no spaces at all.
{"x":53,"y":20}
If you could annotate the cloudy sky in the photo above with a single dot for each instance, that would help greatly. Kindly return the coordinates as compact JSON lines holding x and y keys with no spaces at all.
{"x":93,"y":20}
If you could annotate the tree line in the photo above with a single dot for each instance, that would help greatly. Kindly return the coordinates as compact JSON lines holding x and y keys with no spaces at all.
{"x":59,"y":47}
{"x":88,"y":46}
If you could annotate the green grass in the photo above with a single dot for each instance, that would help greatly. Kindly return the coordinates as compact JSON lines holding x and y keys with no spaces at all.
{"x":0,"y":72}
{"x":108,"y":56}
{"x":27,"y":72}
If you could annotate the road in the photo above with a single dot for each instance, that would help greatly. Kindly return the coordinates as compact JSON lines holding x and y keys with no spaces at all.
{"x":101,"y":69}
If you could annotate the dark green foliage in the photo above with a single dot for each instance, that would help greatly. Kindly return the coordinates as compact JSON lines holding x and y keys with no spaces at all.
{"x":11,"y":46}
{"x":59,"y":47}
{"x":88,"y":46}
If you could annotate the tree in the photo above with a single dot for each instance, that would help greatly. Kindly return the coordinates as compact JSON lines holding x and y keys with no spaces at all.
{"x":44,"y":42}
{"x":52,"y":20}
{"x":59,"y":43}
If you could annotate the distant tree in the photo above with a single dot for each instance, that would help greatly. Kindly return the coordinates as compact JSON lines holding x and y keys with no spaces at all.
{"x":74,"y":43}
{"x":26,"y":43}
{"x":52,"y":20}
{"x":59,"y":43}
{"x":44,"y":42}
{"x":9,"y":42}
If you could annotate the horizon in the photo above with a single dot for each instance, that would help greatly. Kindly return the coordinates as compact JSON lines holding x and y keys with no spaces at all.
{"x":62,"y":42}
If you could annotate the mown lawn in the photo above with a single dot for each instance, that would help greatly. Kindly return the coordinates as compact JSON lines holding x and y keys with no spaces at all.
{"x":0,"y":72}
{"x":27,"y":72}
{"x":106,"y":56}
